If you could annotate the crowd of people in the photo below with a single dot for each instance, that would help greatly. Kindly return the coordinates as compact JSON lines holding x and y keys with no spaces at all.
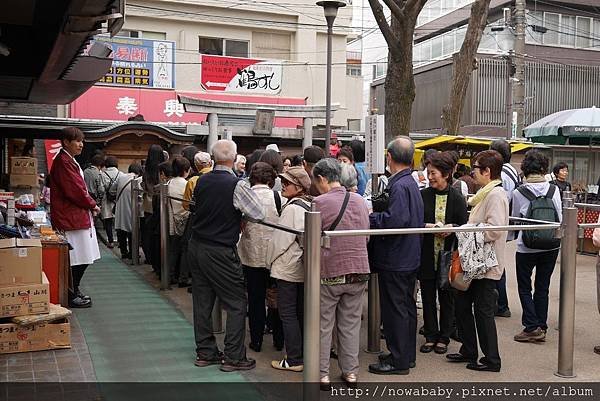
{"x":220,"y":250}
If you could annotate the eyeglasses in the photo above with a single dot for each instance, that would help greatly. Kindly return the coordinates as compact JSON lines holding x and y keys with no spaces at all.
{"x":474,"y":166}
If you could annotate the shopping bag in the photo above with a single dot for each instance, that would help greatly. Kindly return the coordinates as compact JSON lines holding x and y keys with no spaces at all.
{"x":457,"y":275}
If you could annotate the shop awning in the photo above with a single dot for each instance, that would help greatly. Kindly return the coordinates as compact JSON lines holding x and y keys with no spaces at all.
{"x":444,"y":141}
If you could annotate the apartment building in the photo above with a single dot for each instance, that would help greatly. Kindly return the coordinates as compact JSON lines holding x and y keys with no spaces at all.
{"x":224,"y":50}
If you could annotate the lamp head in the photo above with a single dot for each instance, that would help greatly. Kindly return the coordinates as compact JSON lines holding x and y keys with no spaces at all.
{"x":330,"y":8}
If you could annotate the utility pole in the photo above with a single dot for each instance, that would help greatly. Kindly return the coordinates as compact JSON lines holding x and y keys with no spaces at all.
{"x":518,"y":60}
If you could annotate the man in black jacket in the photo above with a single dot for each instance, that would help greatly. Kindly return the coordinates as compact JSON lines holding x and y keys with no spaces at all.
{"x":214,"y":261}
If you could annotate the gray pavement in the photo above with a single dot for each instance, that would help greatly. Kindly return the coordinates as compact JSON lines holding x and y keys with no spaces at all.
{"x":520,"y":362}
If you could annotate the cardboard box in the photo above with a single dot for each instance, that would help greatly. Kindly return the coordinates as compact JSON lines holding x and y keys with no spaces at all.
{"x":25,"y":299}
{"x":23,"y":165}
{"x":20,"y":261}
{"x":36,"y":337}
{"x":24,"y":180}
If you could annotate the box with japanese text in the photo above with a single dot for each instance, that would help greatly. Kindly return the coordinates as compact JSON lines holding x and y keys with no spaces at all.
{"x":24,"y":180}
{"x":20,"y":261}
{"x":25,"y":299}
{"x":35,"y":337}
{"x":23,"y":165}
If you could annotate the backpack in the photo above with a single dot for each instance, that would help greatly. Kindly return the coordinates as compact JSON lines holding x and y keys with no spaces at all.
{"x":540,"y":208}
{"x":111,"y":195}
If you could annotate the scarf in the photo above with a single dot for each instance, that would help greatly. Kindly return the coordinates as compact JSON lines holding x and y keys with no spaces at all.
{"x":534,"y":178}
{"x":483,"y":192}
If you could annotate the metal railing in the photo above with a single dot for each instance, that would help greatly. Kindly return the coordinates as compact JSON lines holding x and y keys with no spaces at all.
{"x":314,"y":238}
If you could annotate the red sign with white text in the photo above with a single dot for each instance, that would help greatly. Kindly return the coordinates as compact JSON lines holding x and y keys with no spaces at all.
{"x":241,"y":75}
{"x":157,"y":105}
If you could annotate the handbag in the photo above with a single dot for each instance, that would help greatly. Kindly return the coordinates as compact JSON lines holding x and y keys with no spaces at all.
{"x":457,"y":275}
{"x":179,"y":220}
{"x":380,"y":202}
{"x":445,"y":266}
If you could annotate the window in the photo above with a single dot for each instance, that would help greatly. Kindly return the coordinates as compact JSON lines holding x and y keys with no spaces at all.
{"x":436,"y":47}
{"x":353,"y":70}
{"x":596,"y":40}
{"x":584,"y":32}
{"x":223,"y":47}
{"x":534,"y":18}
{"x":211,"y":46}
{"x":448,"y":43}
{"x":567,"y":30}
{"x":143,"y":34}
{"x":552,"y":23}
{"x":236,"y":48}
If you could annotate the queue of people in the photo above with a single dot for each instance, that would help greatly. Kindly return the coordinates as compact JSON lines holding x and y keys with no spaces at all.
{"x":221,"y":251}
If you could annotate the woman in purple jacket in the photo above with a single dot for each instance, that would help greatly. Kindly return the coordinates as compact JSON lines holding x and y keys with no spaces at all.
{"x":344,"y":271}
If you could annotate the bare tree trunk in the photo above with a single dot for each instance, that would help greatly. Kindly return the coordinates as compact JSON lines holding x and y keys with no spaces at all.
{"x":399,"y":81}
{"x":399,"y":85}
{"x":464,"y":64}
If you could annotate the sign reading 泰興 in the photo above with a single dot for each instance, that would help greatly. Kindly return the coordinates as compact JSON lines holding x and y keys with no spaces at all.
{"x":140,"y":62}
{"x":240,"y":75}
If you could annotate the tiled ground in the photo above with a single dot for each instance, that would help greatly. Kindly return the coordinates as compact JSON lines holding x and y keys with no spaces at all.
{"x":65,"y":365}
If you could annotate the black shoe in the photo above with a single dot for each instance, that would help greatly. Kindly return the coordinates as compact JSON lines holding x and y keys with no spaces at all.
{"x":83,"y":296}
{"x":426,"y":348}
{"x":483,"y":367}
{"x":203,"y":361}
{"x":458,"y":357}
{"x":505,"y":313}
{"x":387,"y":356}
{"x":422,"y":330}
{"x":384,"y":368}
{"x":255,"y":347}
{"x":79,"y":302}
{"x":242,"y":364}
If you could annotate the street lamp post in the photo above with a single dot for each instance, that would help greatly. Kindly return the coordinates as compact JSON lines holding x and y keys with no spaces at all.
{"x":330,"y":9}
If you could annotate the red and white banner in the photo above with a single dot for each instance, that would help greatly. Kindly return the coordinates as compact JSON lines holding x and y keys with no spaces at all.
{"x":156,"y":105}
{"x":240,"y":75}
{"x":52,"y":146}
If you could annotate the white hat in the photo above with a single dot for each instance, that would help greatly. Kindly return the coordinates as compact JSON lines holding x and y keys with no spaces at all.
{"x":274,"y":147}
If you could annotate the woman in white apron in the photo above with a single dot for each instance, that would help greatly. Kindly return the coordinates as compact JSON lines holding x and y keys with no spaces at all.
{"x":73,"y":210}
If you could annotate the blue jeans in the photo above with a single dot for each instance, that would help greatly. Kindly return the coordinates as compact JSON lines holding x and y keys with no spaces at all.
{"x":535,"y":308}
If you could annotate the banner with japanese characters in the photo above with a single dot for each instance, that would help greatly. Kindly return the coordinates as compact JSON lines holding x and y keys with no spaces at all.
{"x":140,"y":62}
{"x":162,"y":106}
{"x":240,"y":75}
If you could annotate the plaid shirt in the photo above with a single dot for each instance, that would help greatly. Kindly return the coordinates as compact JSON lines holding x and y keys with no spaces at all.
{"x":244,"y":198}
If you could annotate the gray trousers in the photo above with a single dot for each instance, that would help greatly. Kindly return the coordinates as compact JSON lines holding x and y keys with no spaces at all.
{"x":598,"y":281}
{"x":341,"y":304}
{"x":217,"y":273}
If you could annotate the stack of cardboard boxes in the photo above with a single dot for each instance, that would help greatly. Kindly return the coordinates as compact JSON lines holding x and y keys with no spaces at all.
{"x":24,"y":290}
{"x":23,"y":176}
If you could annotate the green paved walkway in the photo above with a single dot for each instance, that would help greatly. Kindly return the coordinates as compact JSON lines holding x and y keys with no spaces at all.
{"x":136,"y":335}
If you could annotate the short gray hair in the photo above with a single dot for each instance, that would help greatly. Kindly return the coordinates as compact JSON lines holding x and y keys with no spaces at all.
{"x":329,"y":169}
{"x":349,"y":176}
{"x":402,"y":150}
{"x":224,"y":150}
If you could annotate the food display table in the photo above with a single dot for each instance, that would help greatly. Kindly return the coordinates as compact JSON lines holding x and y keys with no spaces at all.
{"x":587,"y":216}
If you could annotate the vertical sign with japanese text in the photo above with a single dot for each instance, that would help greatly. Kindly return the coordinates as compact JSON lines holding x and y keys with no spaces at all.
{"x":140,"y":63}
{"x":374,"y":144}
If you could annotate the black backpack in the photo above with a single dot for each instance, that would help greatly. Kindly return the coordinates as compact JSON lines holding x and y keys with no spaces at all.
{"x":540,"y":208}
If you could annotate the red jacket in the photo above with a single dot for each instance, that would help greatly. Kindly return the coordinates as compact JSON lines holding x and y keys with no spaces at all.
{"x":71,"y":203}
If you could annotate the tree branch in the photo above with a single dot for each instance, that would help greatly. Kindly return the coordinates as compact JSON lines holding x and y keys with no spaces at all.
{"x":414,"y":7}
{"x":396,"y":10}
{"x":386,"y":30}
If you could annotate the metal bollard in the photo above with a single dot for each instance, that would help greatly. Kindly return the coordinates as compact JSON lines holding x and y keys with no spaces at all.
{"x":568,"y":270}
{"x":374,"y":310}
{"x":374,"y":319}
{"x":164,"y":237}
{"x":312,"y":305}
{"x":217,"y":318}
{"x":135,"y":226}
